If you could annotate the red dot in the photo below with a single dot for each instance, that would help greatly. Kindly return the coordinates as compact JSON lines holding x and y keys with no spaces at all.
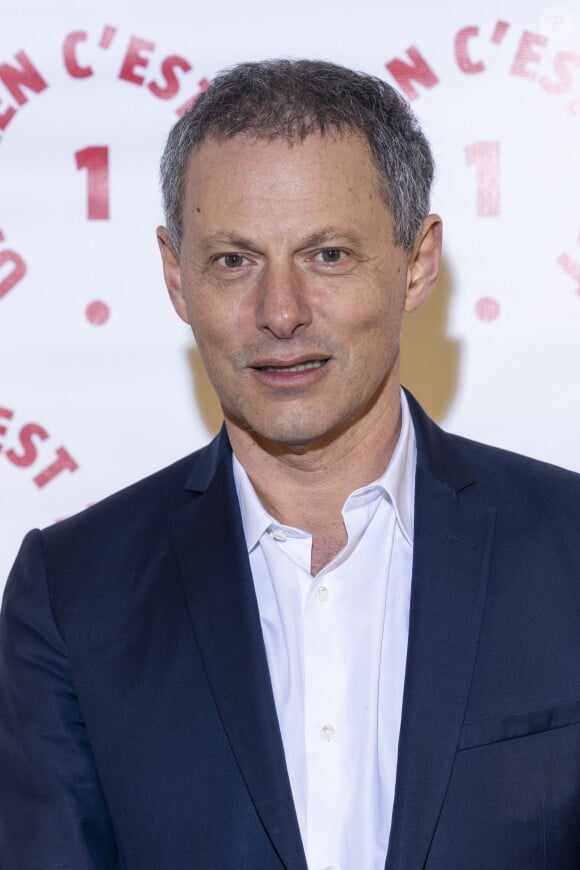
{"x":97,"y":312}
{"x":487,"y":309}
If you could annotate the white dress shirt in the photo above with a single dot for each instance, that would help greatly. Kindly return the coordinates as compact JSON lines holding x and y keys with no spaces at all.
{"x":336,"y":646}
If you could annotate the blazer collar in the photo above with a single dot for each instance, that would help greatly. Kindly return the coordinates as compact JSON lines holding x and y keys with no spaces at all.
{"x":207,"y":461}
{"x":437,"y":453}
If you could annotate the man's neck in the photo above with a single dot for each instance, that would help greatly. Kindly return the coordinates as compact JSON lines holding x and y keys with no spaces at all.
{"x":307,"y":488}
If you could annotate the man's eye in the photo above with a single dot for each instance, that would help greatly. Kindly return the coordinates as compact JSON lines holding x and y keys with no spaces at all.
{"x":331,"y":255}
{"x":232,"y":261}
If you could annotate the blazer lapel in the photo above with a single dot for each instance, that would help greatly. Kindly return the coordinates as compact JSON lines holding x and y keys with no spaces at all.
{"x":216,"y":577}
{"x":452,"y":549}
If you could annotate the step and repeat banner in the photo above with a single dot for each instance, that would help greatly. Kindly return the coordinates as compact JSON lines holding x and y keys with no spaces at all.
{"x":100,"y":383}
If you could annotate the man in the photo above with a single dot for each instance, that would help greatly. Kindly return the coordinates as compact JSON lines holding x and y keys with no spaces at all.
{"x":336,"y":637}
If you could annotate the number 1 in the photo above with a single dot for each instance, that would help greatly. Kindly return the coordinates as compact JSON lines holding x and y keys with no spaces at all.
{"x":95,"y":159}
{"x":486,"y":158}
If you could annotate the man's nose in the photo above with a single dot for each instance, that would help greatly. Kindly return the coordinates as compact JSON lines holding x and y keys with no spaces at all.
{"x":282,"y":306}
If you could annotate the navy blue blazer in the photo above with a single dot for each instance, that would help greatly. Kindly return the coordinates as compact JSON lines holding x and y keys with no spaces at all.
{"x":137,"y":723}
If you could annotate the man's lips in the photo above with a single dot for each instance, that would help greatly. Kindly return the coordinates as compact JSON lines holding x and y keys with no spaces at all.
{"x":301,"y":366}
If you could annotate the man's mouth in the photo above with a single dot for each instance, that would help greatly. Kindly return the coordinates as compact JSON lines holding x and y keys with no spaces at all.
{"x":299,"y":367}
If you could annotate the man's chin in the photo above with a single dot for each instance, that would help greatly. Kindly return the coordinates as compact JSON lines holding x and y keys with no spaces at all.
{"x":286,"y":436}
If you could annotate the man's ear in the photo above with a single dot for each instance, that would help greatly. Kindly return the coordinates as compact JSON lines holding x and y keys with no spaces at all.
{"x":424,"y":263}
{"x":172,"y":273}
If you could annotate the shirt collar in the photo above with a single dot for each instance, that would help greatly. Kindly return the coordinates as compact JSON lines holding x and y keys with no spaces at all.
{"x":397,"y":483}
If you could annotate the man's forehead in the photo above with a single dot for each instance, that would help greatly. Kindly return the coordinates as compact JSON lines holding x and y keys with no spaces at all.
{"x":246,"y":165}
{"x":249,"y":185}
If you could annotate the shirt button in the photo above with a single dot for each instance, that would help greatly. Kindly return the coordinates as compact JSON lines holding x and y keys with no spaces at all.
{"x":278,"y":535}
{"x":322,"y":593}
{"x":327,"y":733}
{"x":331,"y":867}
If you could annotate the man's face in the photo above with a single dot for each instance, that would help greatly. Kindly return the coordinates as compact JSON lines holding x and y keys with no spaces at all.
{"x":291,"y":281}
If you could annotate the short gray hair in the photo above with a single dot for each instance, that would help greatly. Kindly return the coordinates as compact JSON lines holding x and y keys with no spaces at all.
{"x":291,"y":99}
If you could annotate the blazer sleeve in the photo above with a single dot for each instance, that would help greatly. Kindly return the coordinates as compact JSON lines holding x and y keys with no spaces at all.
{"x":52,"y":810}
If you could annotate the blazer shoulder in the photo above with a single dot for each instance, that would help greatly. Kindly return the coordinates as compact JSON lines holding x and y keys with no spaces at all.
{"x":530,"y":496}
{"x":134,"y":518}
{"x":497,"y":464}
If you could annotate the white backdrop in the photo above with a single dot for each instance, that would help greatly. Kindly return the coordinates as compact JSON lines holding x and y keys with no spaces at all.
{"x":100,"y":382}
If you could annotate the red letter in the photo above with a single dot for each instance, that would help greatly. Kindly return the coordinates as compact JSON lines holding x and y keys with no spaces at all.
{"x":27,"y":435}
{"x":7,"y":415}
{"x":485,"y":156}
{"x":561,"y":62}
{"x":6,"y":117}
{"x":168,"y":66}
{"x":25,"y":77}
{"x":96,"y":161}
{"x":16,"y":274}
{"x":134,"y":59}
{"x":418,"y":71}
{"x":73,"y":68}
{"x":525,"y":54}
{"x":464,"y":62}
{"x":63,"y":462}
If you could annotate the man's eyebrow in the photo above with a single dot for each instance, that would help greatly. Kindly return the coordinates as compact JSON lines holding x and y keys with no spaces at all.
{"x":232,"y":240}
{"x":327,"y":236}
{"x":331,"y":235}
